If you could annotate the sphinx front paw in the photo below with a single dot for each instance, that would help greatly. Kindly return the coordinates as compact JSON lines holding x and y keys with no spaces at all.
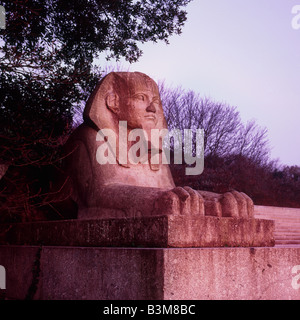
{"x":180,"y":201}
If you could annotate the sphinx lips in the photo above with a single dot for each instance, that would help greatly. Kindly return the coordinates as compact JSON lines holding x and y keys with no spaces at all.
{"x":151,"y":117}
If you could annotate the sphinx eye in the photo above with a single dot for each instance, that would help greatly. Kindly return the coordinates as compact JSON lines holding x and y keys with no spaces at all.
{"x":140,"y":97}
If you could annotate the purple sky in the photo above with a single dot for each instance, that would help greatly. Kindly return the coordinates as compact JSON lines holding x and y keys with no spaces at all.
{"x":244,"y":53}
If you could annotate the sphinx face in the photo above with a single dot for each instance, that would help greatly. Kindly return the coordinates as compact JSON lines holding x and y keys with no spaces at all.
{"x":142,"y":108}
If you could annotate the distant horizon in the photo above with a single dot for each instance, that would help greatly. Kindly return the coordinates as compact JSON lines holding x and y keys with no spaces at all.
{"x":224,"y":55}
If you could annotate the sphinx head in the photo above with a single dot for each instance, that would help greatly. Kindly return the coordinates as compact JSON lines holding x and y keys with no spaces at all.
{"x":126,"y":96}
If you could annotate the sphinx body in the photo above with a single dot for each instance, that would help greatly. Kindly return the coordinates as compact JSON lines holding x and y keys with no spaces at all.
{"x":103,"y":189}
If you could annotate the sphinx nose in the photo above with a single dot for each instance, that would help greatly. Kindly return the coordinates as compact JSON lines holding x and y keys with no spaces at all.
{"x":151,"y":108}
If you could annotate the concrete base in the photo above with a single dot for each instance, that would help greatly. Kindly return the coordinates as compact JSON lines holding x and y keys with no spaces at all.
{"x":158,"y":231}
{"x":155,"y":273}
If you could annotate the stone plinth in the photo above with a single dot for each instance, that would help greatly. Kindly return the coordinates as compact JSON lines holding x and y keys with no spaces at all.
{"x":159,"y":231}
{"x":150,"y":273}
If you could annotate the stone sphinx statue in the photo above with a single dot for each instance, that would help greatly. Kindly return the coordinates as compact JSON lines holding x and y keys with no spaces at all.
{"x":106,"y":185}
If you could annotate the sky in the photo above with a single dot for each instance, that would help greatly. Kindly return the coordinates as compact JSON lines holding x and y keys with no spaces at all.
{"x":243,"y":53}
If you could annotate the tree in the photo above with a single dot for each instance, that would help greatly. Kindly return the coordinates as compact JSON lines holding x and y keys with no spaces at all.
{"x":224,"y":133}
{"x":286,"y":185}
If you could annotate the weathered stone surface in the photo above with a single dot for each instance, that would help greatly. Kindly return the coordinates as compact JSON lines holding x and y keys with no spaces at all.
{"x":231,"y":273}
{"x":160,"y":231}
{"x":139,"y":273}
